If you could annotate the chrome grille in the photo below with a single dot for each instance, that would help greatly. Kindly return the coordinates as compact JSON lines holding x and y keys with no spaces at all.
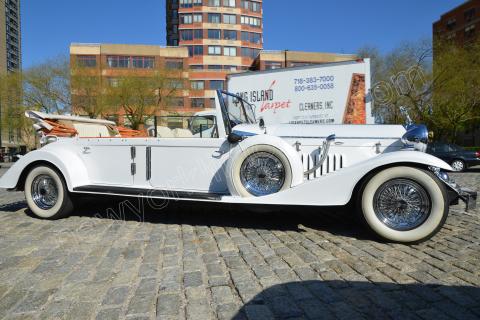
{"x":334,"y":162}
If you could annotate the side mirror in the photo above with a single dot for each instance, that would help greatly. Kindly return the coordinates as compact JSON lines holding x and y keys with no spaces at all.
{"x":234,"y":138}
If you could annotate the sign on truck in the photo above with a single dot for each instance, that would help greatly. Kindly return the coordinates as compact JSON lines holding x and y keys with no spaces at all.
{"x":334,"y":93}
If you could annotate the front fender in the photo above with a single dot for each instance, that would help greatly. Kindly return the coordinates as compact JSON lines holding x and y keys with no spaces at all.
{"x":64,"y":159}
{"x":336,"y":189}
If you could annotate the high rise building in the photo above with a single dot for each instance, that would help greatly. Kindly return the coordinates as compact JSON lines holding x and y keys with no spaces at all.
{"x":222,"y":36}
{"x":10,"y":37}
{"x":461,"y":24}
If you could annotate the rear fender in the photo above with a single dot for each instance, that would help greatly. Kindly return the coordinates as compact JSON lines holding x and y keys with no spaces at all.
{"x":64,"y":160}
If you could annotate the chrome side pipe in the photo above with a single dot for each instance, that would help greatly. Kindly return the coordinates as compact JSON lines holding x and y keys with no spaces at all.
{"x":324,"y":149}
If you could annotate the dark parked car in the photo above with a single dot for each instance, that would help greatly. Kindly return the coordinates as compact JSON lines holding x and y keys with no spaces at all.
{"x":459,"y":158}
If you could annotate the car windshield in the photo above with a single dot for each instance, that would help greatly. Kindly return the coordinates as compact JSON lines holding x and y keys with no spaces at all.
{"x":239,"y":111}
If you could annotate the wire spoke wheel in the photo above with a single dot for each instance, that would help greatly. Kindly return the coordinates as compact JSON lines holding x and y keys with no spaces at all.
{"x":402,"y":204}
{"x":262,"y":173}
{"x":44,"y":192}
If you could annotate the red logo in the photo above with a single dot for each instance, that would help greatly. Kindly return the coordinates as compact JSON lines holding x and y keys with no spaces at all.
{"x":275,"y":105}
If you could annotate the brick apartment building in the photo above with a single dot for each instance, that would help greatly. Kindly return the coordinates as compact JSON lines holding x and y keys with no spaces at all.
{"x":461,"y":24}
{"x":222,"y":36}
{"x":113,"y":61}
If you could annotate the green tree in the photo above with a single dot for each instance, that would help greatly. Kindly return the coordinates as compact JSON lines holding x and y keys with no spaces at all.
{"x":139,"y":97}
{"x":89,"y":92}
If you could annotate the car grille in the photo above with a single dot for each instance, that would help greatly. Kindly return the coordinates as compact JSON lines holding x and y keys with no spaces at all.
{"x":334,"y":162}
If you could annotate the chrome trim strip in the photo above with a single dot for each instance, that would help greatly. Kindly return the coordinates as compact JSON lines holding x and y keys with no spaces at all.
{"x":149,"y":163}
{"x":338,"y":138}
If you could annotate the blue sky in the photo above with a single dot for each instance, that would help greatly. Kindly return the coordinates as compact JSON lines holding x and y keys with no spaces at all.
{"x":343,"y":26}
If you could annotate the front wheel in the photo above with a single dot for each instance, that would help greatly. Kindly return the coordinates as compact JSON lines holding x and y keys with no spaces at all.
{"x":404,"y":204}
{"x":47,"y":194}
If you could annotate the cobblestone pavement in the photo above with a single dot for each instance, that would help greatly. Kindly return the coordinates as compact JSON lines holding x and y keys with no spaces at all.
{"x":111,"y":261}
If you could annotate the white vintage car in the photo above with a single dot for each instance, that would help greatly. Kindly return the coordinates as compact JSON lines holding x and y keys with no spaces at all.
{"x":401,"y":193}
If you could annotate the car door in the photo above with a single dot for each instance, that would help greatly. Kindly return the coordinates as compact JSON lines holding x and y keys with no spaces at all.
{"x":109,"y":161}
{"x":186,"y":161}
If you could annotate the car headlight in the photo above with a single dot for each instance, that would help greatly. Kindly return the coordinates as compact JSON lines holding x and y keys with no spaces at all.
{"x":416,"y":137}
{"x":262,"y":174}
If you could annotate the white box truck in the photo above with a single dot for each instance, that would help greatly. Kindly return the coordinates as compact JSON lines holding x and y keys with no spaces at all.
{"x":334,"y":93}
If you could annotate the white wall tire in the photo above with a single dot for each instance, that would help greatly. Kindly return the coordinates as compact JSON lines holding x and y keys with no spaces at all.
{"x":410,"y":225}
{"x":236,"y":185}
{"x":46,"y":194}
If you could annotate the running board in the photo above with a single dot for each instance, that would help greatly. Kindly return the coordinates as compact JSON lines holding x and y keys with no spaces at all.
{"x":153,"y":193}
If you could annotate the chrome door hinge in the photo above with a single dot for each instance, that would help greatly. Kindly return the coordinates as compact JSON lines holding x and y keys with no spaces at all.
{"x":133,"y":169}
{"x":133,"y":152}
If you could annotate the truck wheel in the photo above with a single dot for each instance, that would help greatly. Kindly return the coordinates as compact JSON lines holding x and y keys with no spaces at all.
{"x":46,"y":193}
{"x":259,"y":171}
{"x":404,"y":204}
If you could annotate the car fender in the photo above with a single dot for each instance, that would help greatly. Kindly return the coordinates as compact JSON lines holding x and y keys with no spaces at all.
{"x":337,"y":188}
{"x":63,"y":158}
{"x":280,"y":144}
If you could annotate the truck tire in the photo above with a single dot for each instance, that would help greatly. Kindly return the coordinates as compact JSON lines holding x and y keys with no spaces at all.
{"x":47,"y":194}
{"x":260,"y":170}
{"x":404,"y":204}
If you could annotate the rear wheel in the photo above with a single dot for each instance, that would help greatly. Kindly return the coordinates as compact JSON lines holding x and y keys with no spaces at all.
{"x":404,"y":204}
{"x":46,"y":194}
{"x":458,"y":165}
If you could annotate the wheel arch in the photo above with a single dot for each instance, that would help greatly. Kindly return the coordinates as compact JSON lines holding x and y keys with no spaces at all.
{"x":367,"y":176}
{"x":64,"y":161}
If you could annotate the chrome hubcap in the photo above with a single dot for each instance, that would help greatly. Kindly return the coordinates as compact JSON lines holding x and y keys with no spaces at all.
{"x":262,"y":173}
{"x":44,"y":192}
{"x":402,"y":204}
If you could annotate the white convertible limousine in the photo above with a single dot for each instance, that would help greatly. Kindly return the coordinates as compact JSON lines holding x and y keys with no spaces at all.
{"x":402,"y":193}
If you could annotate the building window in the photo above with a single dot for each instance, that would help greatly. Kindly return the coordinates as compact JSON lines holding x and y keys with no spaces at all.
{"x":214,"y":34}
{"x":229,"y":3}
{"x":250,"y":52}
{"x":245,"y":4}
{"x":177,"y":102}
{"x":214,"y":17}
{"x":469,"y":14}
{"x":195,"y":51}
{"x":214,"y":3}
{"x":196,"y":66}
{"x":256,"y":6}
{"x":118,"y":61}
{"x":198,"y":85}
{"x":230,"y":68}
{"x":143,"y":62}
{"x":197,"y":18}
{"x":113,"y":82}
{"x":216,"y":84}
{"x":229,"y":19}
{"x":175,"y":84}
{"x":214,"y":50}
{"x":174,"y":64}
{"x":198,"y":103}
{"x":451,"y":24}
{"x":230,"y":35}
{"x":272,"y":65}
{"x":251,"y":37}
{"x":470,"y":31}
{"x":197,"y":3}
{"x":186,"y":19}
{"x":86,"y":61}
{"x":186,"y":35}
{"x":214,"y":67}
{"x":251,"y":21}
{"x":230,"y":51}
{"x":186,"y":4}
{"x":198,"y":34}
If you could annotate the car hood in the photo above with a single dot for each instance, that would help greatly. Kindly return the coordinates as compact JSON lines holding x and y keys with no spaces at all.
{"x":323,"y":131}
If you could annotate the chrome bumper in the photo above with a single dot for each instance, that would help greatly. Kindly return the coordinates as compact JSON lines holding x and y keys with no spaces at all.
{"x":469,"y":197}
{"x":466,"y":195}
